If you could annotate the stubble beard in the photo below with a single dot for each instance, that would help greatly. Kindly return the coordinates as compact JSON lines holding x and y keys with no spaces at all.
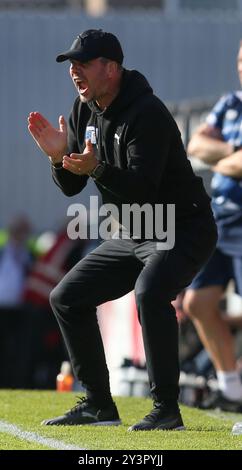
{"x":83,"y":99}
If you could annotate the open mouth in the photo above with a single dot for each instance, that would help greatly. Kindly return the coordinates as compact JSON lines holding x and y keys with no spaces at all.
{"x":81,"y":86}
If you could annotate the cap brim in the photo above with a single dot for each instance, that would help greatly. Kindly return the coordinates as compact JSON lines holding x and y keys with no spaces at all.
{"x":74,"y":55}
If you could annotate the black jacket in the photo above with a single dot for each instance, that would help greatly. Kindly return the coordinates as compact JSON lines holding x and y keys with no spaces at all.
{"x":140,"y":142}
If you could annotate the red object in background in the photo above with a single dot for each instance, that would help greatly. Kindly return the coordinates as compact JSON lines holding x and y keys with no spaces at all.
{"x":47,"y":271}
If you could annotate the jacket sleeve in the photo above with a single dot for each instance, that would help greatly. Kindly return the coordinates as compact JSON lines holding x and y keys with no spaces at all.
{"x":147,"y":148}
{"x":69,"y":183}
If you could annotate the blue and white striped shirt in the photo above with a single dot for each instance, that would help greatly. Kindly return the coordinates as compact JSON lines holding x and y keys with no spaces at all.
{"x":227,"y":191}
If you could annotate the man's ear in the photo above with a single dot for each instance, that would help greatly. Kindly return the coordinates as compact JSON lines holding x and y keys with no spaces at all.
{"x":112,"y":68}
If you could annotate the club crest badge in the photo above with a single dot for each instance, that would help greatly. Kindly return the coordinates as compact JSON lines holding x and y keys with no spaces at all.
{"x":91,"y":134}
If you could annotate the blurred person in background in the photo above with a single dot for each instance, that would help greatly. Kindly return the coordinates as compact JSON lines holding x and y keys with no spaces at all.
{"x":15,"y":262}
{"x":218,"y":142}
{"x":124,"y":138}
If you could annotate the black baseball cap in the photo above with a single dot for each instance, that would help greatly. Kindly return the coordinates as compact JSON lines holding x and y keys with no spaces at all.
{"x":92,"y":44}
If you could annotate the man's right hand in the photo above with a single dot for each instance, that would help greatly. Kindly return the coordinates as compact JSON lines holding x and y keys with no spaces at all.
{"x":53,"y":142}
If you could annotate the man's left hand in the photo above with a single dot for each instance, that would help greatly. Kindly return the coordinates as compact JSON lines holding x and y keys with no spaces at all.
{"x":81,"y":163}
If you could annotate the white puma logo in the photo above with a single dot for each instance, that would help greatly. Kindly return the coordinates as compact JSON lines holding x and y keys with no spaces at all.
{"x":116,"y":136}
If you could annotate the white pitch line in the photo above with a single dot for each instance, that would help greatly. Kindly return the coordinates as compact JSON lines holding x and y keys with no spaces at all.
{"x":16,"y":431}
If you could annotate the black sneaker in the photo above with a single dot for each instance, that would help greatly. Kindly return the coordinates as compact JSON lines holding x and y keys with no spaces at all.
{"x":164,"y":416}
{"x":218,"y":401}
{"x":85,"y":412}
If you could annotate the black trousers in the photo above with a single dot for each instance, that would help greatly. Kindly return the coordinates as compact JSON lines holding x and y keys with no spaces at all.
{"x":112,"y":270}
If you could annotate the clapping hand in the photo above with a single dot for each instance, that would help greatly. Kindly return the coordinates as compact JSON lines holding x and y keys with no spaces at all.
{"x":53,"y":142}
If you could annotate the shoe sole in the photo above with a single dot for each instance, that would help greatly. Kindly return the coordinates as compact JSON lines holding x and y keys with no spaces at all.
{"x":107,"y":423}
{"x":179,"y":428}
{"x":101,"y":423}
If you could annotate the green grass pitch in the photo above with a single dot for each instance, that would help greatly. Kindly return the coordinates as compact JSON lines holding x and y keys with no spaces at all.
{"x":26,"y":409}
